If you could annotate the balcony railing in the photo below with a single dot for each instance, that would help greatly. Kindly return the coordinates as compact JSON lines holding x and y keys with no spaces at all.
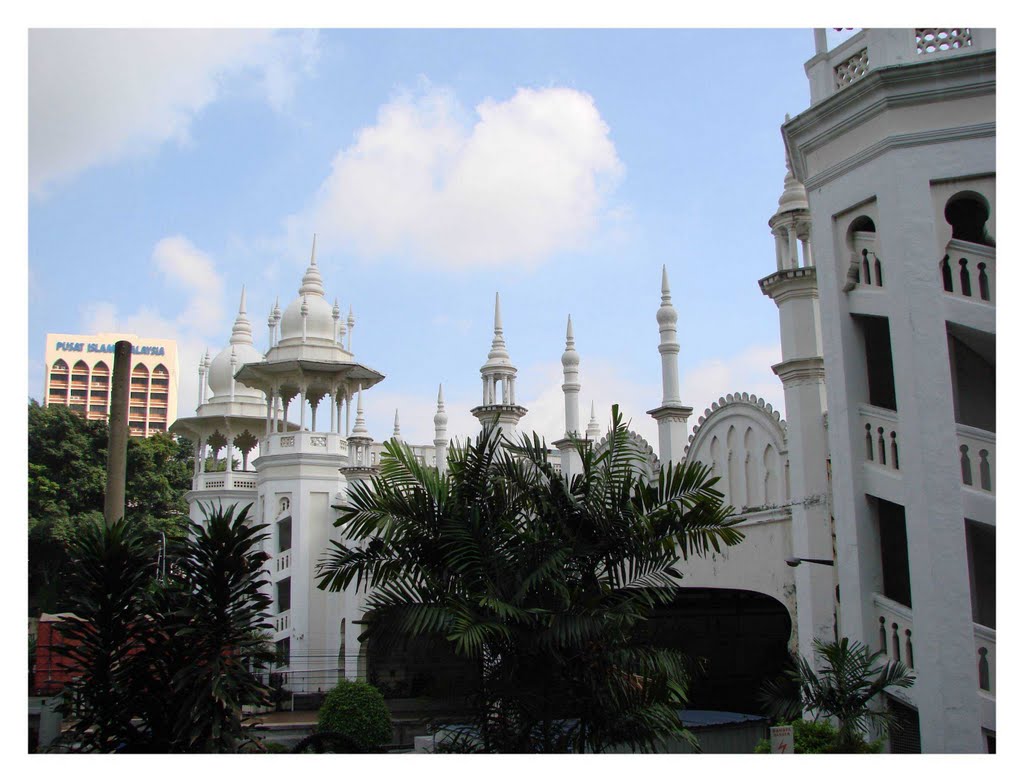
{"x":831,"y":71}
{"x":304,"y":442}
{"x":283,"y":562}
{"x":985,"y":643}
{"x":977,"y":452}
{"x":237,"y":480}
{"x":283,"y":621}
{"x":880,"y":436}
{"x":968,"y":270}
{"x":895,"y":630}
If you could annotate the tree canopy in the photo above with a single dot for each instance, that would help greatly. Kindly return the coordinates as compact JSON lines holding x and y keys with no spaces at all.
{"x":67,"y":472}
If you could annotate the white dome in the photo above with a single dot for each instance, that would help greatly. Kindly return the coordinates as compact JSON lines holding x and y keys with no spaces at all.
{"x":319,"y":319}
{"x":220,"y":371}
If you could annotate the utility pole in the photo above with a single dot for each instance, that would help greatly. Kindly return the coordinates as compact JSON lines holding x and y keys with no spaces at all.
{"x":117,"y":443}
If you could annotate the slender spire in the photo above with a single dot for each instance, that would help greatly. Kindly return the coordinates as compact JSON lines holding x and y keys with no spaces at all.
{"x":360,"y":426}
{"x":668,"y":347}
{"x":312,"y":282}
{"x":397,"y":434}
{"x":593,"y":428}
{"x":571,"y":382}
{"x":241,"y":332}
{"x":499,"y":351}
{"x":441,"y":416}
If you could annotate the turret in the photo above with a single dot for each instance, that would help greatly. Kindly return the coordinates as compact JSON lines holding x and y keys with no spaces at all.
{"x":499,"y":383}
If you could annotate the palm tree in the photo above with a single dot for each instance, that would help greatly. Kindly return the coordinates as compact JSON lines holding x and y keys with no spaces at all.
{"x":542,"y":581}
{"x":845,"y":688}
{"x":166,"y":665}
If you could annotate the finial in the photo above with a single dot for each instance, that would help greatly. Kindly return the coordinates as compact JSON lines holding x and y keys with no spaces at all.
{"x":440,"y":417}
{"x":277,"y":308}
{"x":398,"y":432}
{"x":351,"y":317}
{"x":241,"y":331}
{"x":570,"y":358}
{"x":497,"y":313}
{"x":312,"y":282}
{"x":360,"y":426}
{"x":593,"y":428}
{"x":666,"y":293}
{"x":667,"y":316}
{"x":336,"y":312}
{"x":569,"y":338}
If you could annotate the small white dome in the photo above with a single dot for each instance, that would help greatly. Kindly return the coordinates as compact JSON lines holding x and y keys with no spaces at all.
{"x":221,"y":371}
{"x":319,"y":319}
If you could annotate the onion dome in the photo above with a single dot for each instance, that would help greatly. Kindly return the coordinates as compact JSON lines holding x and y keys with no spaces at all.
{"x":239,"y":351}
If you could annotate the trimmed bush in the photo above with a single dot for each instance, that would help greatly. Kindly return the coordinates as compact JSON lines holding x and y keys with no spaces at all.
{"x":356,"y":710}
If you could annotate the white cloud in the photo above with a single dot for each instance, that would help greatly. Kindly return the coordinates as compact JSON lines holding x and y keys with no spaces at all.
{"x":197,"y":327}
{"x":529,"y":178}
{"x":99,"y":96}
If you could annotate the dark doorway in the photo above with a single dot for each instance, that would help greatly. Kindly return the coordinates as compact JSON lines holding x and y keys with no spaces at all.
{"x":742,"y":637}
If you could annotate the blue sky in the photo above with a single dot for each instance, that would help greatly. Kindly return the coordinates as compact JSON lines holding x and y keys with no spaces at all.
{"x":561,"y":168}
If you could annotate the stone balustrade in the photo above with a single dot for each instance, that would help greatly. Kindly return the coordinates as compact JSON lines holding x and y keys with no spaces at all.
{"x":283,"y":562}
{"x":303,"y":442}
{"x":880,"y":436}
{"x":985,"y":645}
{"x":968,"y":270}
{"x":895,"y":632}
{"x":977,"y":454}
{"x":238,"y":480}
{"x":283,"y":622}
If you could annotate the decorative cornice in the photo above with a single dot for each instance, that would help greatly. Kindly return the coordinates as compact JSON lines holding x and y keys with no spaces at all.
{"x":880,"y":90}
{"x":800,"y":370}
{"x":735,"y":399}
{"x":678,"y":413}
{"x":790,"y":283}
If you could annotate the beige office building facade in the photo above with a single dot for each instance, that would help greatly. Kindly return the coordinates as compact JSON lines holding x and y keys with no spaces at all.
{"x":80,"y":370}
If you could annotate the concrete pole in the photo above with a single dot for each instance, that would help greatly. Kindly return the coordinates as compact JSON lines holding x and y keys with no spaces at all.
{"x":117,"y":443}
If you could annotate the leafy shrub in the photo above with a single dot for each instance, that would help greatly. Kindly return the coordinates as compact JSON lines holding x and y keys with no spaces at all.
{"x":356,"y":710}
{"x":817,"y":738}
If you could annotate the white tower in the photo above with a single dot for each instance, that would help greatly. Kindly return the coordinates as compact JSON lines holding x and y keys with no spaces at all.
{"x":593,"y":428}
{"x":301,"y":473}
{"x":673,"y":414}
{"x":570,"y":458}
{"x":441,"y":433}
{"x":499,"y":373}
{"x":794,"y":289}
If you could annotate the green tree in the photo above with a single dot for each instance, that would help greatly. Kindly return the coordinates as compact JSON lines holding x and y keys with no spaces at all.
{"x":540,"y":580}
{"x":357,"y":711}
{"x":67,"y":458}
{"x":165,"y":665}
{"x":847,"y":688}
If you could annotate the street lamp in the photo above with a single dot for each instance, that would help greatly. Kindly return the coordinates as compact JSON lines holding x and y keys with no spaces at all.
{"x":795,"y":561}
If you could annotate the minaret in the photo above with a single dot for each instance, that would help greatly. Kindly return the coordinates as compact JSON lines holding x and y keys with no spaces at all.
{"x":593,"y":428}
{"x":794,"y":289}
{"x":497,"y":373}
{"x":673,"y":414}
{"x":441,"y":433}
{"x":570,"y":458}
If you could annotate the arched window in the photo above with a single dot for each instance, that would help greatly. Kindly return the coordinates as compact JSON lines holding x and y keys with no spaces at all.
{"x":865,"y":266}
{"x":967,"y":213}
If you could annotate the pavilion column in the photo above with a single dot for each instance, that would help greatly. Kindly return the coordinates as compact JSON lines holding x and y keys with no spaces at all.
{"x":270,"y":412}
{"x":228,"y":451}
{"x":302,"y":408}
{"x":313,"y":406}
{"x":348,"y":414}
{"x":334,"y":417}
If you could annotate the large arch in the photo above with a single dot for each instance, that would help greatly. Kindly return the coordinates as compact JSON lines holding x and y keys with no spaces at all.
{"x":741,"y":637}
